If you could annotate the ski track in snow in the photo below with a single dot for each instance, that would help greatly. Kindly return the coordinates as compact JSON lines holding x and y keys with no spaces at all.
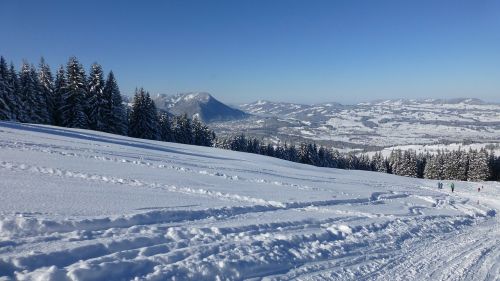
{"x":232,"y":216}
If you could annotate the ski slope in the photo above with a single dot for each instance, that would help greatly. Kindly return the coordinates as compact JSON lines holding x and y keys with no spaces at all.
{"x":84,"y":205}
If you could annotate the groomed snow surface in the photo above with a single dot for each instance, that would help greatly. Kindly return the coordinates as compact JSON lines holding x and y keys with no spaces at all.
{"x":83,"y":205}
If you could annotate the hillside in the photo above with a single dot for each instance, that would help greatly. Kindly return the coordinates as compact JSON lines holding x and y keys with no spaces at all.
{"x":85,"y":205}
{"x":372,"y":125}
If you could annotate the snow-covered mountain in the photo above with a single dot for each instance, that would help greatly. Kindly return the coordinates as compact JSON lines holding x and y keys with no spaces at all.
{"x":201,"y":105}
{"x":84,"y":205}
{"x":375,"y":124}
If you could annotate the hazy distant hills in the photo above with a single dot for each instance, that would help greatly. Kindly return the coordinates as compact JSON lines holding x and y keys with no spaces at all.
{"x":201,"y":105}
{"x":368,"y":125}
{"x":464,"y":101}
{"x":375,"y":124}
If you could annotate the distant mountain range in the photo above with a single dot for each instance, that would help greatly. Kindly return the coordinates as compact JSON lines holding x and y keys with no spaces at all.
{"x":465,"y":101}
{"x":371,"y":125}
{"x":201,"y":105}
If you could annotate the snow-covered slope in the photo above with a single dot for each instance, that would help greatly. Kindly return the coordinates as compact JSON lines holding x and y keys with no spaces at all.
{"x":83,"y":205}
{"x":372,"y":125}
{"x":201,"y":105}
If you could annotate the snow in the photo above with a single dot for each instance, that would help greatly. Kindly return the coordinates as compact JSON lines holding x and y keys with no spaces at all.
{"x":84,"y":205}
{"x":377,"y":124}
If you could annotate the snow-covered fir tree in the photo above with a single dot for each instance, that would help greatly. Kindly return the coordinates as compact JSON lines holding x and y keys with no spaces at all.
{"x":143,"y":117}
{"x":379,"y":163}
{"x":395,"y":161}
{"x":435,"y":167}
{"x":202,"y":135}
{"x":351,"y":161}
{"x":5,"y":89}
{"x":60,"y":89}
{"x":421,"y":162}
{"x":455,"y":165}
{"x":495,"y":168}
{"x":95,"y":107}
{"x":307,"y":155}
{"x":292,"y":153}
{"x":322,"y":155}
{"x":166,"y":132}
{"x":41,"y":108}
{"x":364,"y":163}
{"x":152,"y":113}
{"x":34,"y":104}
{"x":116,"y":113}
{"x":73,"y":102}
{"x":183,"y":129}
{"x":479,"y":169}
{"x":15,"y":103}
{"x":407,"y":165}
{"x":47,"y":89}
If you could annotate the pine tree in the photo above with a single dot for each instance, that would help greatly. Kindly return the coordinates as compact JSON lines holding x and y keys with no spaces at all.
{"x":351,"y":161}
{"x":137,"y":118}
{"x":458,"y":167}
{"x":395,"y":161}
{"x":495,"y":168}
{"x":143,"y":117}
{"x":183,"y":130}
{"x":60,"y":89}
{"x":433,"y":167}
{"x":421,"y":161}
{"x":5,"y":89}
{"x":74,"y":99}
{"x":408,"y":164}
{"x":41,"y":107}
{"x":35,"y":107}
{"x":253,"y":145}
{"x":305,"y":154}
{"x":26,"y":93}
{"x":152,"y":113}
{"x":95,"y":107}
{"x":47,"y":89}
{"x":279,"y":151}
{"x":15,"y":103}
{"x":166,"y":132}
{"x":322,"y":157}
{"x":203,"y":136}
{"x":116,"y":120}
{"x":292,"y":153}
{"x":337,"y":160}
{"x":379,"y":164}
{"x":479,"y":170}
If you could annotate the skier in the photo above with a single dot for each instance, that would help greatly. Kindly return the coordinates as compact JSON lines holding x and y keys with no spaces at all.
{"x":478,"y":189}
{"x":452,"y":185}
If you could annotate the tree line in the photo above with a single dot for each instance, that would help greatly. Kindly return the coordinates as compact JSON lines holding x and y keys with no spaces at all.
{"x":472,"y":165}
{"x":147,"y":123}
{"x":76,"y":100}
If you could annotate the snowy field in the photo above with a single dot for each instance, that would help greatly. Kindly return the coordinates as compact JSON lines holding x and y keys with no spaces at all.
{"x":83,"y":205}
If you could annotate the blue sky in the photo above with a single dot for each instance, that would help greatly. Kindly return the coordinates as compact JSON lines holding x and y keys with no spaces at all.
{"x":283,"y":50}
